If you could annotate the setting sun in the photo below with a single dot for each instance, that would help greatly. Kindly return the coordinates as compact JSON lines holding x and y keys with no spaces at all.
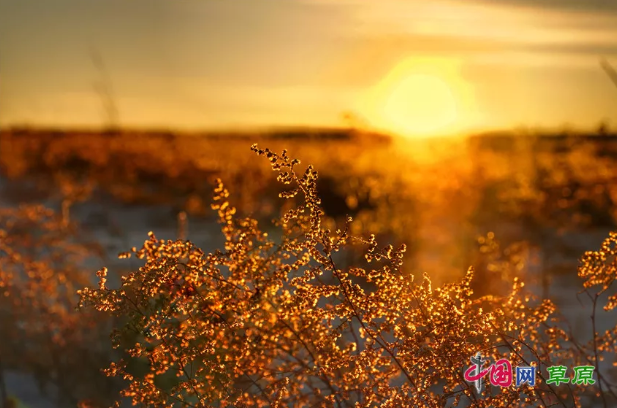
{"x":421,"y":104}
{"x":421,"y":97}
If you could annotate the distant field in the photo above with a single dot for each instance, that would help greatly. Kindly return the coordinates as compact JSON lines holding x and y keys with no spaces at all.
{"x":434,"y":194}
{"x":510,"y":205}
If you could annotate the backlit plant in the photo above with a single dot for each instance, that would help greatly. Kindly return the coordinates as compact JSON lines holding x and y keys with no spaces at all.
{"x":43,"y":261}
{"x":279,"y":322}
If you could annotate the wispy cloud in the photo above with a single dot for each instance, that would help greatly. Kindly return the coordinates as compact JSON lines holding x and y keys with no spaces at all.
{"x":481,"y":25}
{"x":276,"y":58}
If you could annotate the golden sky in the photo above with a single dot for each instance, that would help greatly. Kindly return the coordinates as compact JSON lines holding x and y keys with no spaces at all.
{"x":437,"y":66}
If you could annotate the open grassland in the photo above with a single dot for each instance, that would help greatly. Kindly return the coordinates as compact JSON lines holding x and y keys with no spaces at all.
{"x":431,"y":194}
{"x":515,"y":207}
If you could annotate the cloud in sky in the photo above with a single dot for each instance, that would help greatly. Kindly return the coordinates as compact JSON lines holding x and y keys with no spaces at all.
{"x":244,"y":56}
{"x":592,"y":6}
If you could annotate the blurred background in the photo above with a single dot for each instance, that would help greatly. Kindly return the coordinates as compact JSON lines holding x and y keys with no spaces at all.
{"x":476,"y":132}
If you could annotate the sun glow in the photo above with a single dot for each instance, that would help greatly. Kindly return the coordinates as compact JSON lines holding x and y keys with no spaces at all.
{"x":420,"y":97}
{"x":421,"y":104}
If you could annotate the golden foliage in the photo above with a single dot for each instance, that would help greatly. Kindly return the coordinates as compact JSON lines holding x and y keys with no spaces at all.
{"x":268,"y":322}
{"x":41,"y":267}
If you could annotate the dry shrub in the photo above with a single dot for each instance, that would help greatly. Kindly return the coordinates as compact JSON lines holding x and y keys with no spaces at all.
{"x":268,"y":322}
{"x":41,"y":267}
